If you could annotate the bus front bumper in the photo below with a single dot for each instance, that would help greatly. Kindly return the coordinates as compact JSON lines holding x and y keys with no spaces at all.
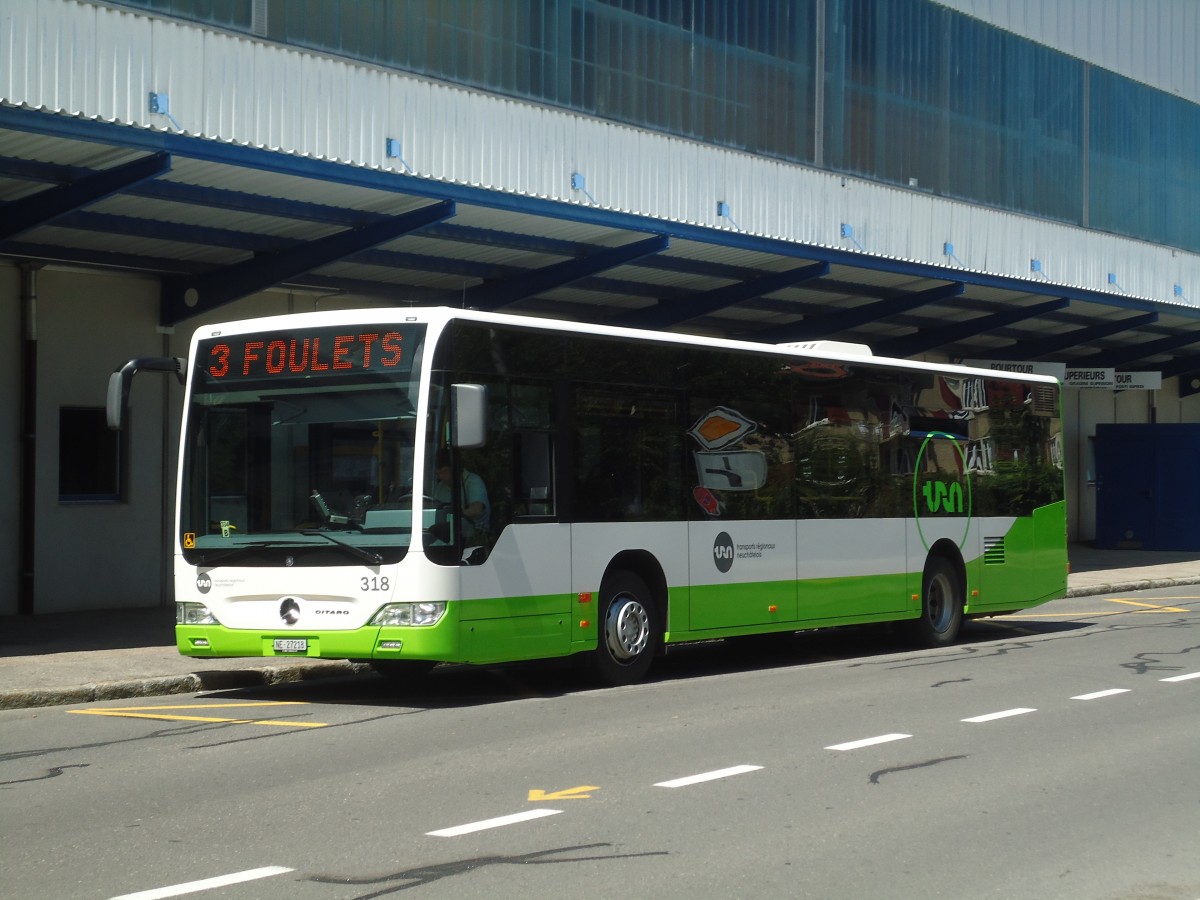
{"x":436,"y":642}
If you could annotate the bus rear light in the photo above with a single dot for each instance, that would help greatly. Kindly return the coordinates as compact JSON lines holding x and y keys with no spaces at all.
{"x":409,"y":614}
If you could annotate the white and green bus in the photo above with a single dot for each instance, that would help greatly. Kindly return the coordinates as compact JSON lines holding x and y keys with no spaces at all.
{"x":434,"y":485}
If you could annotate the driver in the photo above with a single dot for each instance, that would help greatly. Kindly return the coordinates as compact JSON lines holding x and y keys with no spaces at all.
{"x":476,"y":509}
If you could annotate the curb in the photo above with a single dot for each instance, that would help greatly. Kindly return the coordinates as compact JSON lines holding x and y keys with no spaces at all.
{"x":1144,"y":584}
{"x":192,"y":682}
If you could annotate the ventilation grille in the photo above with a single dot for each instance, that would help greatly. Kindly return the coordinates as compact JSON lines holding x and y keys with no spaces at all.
{"x":993,"y":551}
{"x":1045,"y":400}
{"x":258,"y":17}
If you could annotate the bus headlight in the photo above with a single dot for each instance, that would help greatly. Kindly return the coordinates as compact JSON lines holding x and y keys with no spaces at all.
{"x":194,"y":614}
{"x":409,"y":614}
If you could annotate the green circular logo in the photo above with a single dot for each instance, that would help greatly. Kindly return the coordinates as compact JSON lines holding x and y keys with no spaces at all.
{"x":942,"y":497}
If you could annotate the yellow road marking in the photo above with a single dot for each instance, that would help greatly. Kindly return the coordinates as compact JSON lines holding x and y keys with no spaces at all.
{"x":207,"y":705}
{"x":1148,"y":607}
{"x":1151,"y":606}
{"x":575,"y":793}
{"x":132,"y":713}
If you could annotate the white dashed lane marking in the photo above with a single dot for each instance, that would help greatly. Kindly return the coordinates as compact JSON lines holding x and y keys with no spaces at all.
{"x":707,"y":776}
{"x":498,"y":822}
{"x":869,"y":742}
{"x":1003,"y":714}
{"x":208,"y":884}
{"x":1182,"y":677}
{"x":1111,"y":692}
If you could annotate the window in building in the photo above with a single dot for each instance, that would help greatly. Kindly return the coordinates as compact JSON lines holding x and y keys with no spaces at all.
{"x":89,"y":456}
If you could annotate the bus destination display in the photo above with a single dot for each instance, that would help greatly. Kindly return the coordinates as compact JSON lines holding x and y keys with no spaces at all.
{"x":319,"y":352}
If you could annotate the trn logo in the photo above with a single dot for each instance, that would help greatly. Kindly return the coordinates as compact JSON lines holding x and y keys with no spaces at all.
{"x":945,"y":498}
{"x":940,"y":497}
{"x":723,"y":552}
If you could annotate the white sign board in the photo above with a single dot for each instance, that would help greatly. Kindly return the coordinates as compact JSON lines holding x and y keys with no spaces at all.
{"x":1090,"y":378}
{"x":1053,"y":369}
{"x":1095,"y":378}
{"x":1139,"y":381}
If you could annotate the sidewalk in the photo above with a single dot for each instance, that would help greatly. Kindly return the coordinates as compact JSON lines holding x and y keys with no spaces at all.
{"x":60,"y":658}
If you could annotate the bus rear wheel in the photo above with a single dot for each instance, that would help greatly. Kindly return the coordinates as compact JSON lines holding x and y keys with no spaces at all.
{"x":628,"y":629}
{"x":942,"y":601}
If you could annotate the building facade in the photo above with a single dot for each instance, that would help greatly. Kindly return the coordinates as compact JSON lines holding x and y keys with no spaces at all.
{"x":1015,"y":186}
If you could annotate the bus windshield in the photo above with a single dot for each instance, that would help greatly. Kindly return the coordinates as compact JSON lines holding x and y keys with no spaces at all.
{"x":299,"y":447}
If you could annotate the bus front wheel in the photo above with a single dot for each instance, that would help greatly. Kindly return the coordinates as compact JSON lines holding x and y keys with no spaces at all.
{"x":942,"y":601}
{"x":628,"y":625}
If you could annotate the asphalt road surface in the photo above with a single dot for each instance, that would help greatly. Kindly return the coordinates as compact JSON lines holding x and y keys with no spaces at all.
{"x":1050,"y":755}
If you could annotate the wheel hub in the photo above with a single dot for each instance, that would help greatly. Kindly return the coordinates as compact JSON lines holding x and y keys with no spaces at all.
{"x":627,"y":628}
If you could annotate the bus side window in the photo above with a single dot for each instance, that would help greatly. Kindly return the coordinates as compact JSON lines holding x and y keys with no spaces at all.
{"x":534,"y":454}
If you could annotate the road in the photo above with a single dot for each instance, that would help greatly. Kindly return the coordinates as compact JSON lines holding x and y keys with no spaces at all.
{"x":1050,"y":755}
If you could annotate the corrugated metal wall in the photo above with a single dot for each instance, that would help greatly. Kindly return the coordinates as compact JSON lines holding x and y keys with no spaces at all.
{"x":93,"y":61}
{"x":1151,"y":41}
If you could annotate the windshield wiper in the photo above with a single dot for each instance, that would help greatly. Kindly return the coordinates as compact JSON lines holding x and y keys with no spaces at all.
{"x":211,"y":559}
{"x":361,"y":553}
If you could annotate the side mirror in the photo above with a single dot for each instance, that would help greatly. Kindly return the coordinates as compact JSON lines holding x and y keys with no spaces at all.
{"x":468,"y":415}
{"x":119,"y":381}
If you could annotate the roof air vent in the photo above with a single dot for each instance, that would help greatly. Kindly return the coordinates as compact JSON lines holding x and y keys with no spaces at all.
{"x":836,"y":348}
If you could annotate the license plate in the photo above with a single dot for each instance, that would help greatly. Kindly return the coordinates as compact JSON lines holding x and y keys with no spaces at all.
{"x":291,"y":645}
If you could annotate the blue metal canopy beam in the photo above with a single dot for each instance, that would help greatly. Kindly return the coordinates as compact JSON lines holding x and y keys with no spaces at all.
{"x":1119,"y":357}
{"x":1182,"y":365}
{"x":405,"y":294}
{"x":672,"y":312}
{"x":835,"y":323}
{"x":499,"y":294}
{"x":46,"y":206}
{"x":184,"y":297}
{"x":934,"y":338}
{"x":238,"y":201}
{"x":1077,"y":338}
{"x":203,"y":235}
{"x":104,"y":259}
{"x":248,"y":241}
{"x":196,"y":195}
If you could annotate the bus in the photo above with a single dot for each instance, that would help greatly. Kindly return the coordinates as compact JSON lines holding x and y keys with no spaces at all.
{"x":419,"y":486}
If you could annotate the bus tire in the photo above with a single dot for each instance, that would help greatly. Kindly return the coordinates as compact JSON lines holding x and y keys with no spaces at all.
{"x":628,"y":630}
{"x":942,"y":602}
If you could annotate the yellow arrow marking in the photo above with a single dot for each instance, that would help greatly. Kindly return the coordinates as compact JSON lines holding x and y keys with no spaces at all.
{"x":1150,"y":606}
{"x":575,"y":793}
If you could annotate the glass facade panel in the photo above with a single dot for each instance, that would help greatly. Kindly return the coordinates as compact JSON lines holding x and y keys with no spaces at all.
{"x":917,"y":95}
{"x":1144,"y":162}
{"x":912,"y":93}
{"x":233,"y":14}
